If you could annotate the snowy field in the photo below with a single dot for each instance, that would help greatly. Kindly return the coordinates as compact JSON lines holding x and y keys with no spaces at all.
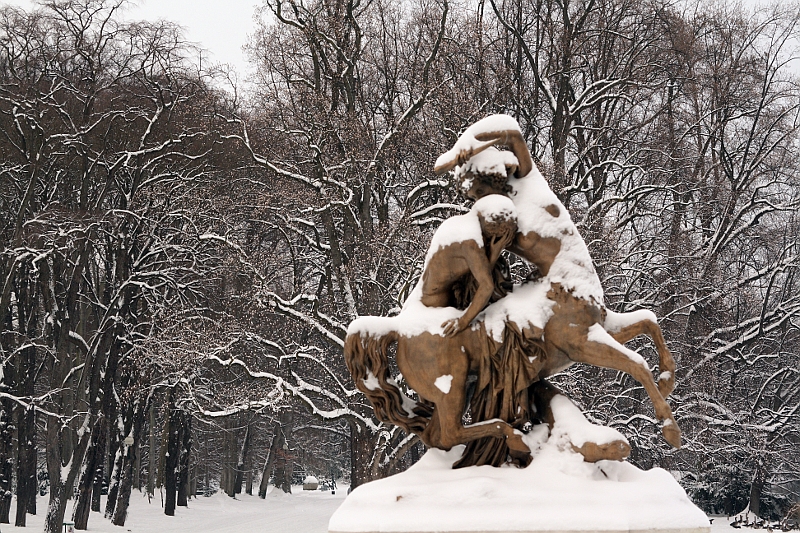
{"x":299,"y":512}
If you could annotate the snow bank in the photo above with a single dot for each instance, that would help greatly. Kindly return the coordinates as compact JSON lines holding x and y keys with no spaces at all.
{"x":571,"y":423}
{"x":557,"y":492}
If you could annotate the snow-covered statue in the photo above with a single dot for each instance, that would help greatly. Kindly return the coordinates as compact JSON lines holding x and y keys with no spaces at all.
{"x":465,"y":343}
{"x":474,"y":347}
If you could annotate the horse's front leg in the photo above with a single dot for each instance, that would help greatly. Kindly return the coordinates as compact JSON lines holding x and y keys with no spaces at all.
{"x":452,"y":430}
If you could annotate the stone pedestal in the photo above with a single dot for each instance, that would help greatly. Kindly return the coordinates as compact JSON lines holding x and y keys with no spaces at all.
{"x":558,"y":492}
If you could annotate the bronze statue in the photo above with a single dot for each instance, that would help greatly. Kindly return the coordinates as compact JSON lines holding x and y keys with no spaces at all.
{"x":540,"y":328}
{"x":436,"y":363}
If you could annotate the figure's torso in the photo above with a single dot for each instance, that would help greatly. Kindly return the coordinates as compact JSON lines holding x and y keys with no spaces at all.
{"x":548,"y":238}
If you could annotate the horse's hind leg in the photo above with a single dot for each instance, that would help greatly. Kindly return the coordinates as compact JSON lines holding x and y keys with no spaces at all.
{"x":625,"y":326}
{"x":601,"y":349}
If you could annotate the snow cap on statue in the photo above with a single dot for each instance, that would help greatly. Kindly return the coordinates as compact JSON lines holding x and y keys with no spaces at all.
{"x":489,"y":162}
{"x":495,"y":208}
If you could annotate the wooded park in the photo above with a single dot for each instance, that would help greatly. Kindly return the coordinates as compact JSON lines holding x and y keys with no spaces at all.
{"x":182,"y":248}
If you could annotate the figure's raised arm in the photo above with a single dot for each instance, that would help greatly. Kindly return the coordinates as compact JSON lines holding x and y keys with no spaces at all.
{"x":514,"y":140}
{"x":460,"y":154}
{"x":494,"y":129}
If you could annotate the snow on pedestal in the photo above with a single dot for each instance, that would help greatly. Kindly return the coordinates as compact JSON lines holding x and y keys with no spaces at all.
{"x":558,"y":492}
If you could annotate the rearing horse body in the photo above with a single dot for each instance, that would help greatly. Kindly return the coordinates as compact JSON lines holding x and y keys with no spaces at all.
{"x":436,"y":350}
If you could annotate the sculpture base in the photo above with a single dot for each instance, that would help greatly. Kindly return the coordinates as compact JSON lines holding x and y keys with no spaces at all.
{"x":558,"y":492}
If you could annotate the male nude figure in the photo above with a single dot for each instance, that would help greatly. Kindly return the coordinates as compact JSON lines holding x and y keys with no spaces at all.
{"x":450,"y":263}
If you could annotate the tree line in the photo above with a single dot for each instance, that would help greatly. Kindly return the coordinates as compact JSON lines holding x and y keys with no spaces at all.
{"x":181,"y":253}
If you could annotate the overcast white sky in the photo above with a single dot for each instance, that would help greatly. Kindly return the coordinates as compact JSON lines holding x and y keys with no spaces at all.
{"x":219,"y":26}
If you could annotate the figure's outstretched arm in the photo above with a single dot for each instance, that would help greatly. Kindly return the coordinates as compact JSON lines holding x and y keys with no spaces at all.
{"x":454,"y":157}
{"x":514,"y":140}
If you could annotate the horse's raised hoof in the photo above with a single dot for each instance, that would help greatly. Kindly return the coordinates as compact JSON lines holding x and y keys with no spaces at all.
{"x":592,"y":452}
{"x":671,"y":432}
{"x":666,"y":384}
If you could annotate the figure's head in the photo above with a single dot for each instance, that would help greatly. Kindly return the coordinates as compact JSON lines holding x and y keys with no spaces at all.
{"x":487,"y":173}
{"x":497,"y":215}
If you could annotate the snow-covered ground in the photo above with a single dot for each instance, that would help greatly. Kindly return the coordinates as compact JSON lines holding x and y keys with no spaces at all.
{"x":299,"y":512}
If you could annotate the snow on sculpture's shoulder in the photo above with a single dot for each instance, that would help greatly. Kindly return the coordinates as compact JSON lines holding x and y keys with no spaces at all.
{"x":499,"y":122}
{"x":572,"y":267}
{"x":531,"y":195}
{"x":459,"y":228}
{"x":467,"y":227}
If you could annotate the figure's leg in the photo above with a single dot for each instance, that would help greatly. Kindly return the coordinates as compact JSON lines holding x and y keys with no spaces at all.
{"x":625,"y":326}
{"x":603,"y":443}
{"x":599,"y":348}
{"x":450,"y":407}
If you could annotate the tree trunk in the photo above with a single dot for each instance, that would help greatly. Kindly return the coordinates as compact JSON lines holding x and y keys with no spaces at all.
{"x":117,"y":435}
{"x":183,"y":460}
{"x":113,"y":482}
{"x":126,"y":482}
{"x":193,"y":481}
{"x":26,"y":449}
{"x":85,"y":485}
{"x":237,"y":483}
{"x":6,"y":471}
{"x":151,"y":450}
{"x":60,"y":485}
{"x":137,"y":465}
{"x":98,"y":474}
{"x":34,"y":492}
{"x":284,"y":464}
{"x":228,"y":481}
{"x":171,"y":459}
{"x":278,"y":439}
{"x":360,"y":452}
{"x":162,"y":456}
{"x":755,"y":492}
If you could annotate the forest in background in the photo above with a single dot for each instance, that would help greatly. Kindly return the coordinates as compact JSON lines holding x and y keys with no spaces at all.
{"x":181,"y":252}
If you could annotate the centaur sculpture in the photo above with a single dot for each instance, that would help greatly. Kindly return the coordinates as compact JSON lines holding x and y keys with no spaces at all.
{"x":461,"y":321}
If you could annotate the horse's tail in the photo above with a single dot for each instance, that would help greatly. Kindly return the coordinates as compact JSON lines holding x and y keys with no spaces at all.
{"x":367,"y":359}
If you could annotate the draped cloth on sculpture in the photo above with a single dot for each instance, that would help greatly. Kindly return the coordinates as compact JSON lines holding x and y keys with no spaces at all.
{"x":502,"y":392}
{"x":504,"y":376}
